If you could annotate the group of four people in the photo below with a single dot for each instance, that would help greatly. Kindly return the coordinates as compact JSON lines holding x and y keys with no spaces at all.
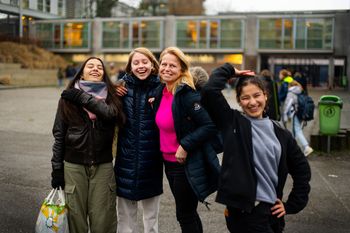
{"x":164,"y":121}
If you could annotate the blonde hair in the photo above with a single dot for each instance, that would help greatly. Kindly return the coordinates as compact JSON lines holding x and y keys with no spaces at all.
{"x":295,"y":83}
{"x":185,"y":76}
{"x":285,"y":73}
{"x":148,"y":54}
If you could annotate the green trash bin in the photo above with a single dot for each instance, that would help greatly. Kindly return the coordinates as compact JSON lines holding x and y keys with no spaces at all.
{"x":329,"y":108}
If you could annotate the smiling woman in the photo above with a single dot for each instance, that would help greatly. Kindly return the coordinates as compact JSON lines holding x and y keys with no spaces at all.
{"x":83,"y":130}
{"x":258,"y":156}
{"x":93,"y":71}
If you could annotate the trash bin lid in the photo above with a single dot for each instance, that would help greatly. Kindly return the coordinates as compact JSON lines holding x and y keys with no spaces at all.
{"x":331,"y":100}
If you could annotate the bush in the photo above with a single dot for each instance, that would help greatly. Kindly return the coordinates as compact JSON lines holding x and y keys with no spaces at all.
{"x":30,"y":56}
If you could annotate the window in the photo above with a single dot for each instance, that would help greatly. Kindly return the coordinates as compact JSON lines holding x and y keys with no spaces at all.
{"x":231,"y":33}
{"x":300,"y":34}
{"x":270,"y":31}
{"x":319,"y":33}
{"x":202,"y":34}
{"x":40,"y":5}
{"x":186,"y":33}
{"x":115,"y":35}
{"x":75,"y":35}
{"x":214,"y":34}
{"x":47,"y":5}
{"x":288,"y":34}
{"x":25,"y":4}
{"x":60,"y":8}
{"x":44,"y":34}
{"x":150,"y":34}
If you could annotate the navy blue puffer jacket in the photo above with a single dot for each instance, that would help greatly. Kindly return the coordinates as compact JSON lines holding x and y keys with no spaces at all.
{"x":139,"y":167}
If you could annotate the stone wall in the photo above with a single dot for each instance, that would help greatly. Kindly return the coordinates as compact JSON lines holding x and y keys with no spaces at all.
{"x":14,"y":75}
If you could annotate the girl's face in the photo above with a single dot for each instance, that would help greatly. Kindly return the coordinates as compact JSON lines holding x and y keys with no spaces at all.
{"x":280,"y":75}
{"x":93,"y":71}
{"x":253,"y":101}
{"x":170,"y":68}
{"x":141,"y":66}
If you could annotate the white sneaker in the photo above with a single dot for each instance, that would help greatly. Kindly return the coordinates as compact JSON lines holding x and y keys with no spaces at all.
{"x":308,"y":150}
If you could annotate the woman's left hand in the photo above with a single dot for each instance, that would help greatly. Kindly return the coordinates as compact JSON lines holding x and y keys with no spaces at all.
{"x":181,"y":155}
{"x":240,"y":73}
{"x":278,"y":209}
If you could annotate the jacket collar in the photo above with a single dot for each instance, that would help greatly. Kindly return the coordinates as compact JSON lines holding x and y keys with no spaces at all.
{"x":132,"y":79}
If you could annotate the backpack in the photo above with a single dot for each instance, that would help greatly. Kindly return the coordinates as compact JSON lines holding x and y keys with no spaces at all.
{"x":306,"y":107}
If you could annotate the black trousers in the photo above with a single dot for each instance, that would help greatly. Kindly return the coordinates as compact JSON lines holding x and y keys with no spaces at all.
{"x":260,"y":220}
{"x":186,"y":200}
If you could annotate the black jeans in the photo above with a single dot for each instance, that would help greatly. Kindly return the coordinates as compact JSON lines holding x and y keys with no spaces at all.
{"x":186,"y":200}
{"x":258,"y":221}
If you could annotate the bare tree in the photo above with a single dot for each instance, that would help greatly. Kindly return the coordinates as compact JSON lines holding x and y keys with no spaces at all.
{"x":103,"y":7}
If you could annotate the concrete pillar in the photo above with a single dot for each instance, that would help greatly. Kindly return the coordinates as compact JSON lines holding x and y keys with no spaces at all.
{"x":331,"y":73}
{"x":20,"y":20}
{"x":169,"y":36}
{"x":96,"y":42}
{"x":250,"y":46}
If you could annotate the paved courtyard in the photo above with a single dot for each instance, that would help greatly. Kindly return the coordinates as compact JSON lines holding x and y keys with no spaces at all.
{"x":26,"y":118}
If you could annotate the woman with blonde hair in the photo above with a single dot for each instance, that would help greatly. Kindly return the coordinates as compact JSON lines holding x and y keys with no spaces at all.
{"x":285,"y":79}
{"x":184,"y":128}
{"x":138,"y":165}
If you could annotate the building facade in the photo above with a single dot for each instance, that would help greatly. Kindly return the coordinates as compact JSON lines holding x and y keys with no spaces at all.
{"x":313,"y":43}
{"x":16,"y":15}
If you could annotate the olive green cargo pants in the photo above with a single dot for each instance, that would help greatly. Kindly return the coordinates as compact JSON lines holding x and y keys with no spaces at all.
{"x":91,"y":198}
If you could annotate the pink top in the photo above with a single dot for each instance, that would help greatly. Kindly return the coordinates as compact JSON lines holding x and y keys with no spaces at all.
{"x":165,"y":123}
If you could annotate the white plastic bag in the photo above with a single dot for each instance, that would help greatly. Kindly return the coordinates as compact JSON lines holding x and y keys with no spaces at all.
{"x":52,"y":217}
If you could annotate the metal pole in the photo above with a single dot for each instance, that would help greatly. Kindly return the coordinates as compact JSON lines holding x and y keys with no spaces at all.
{"x":328,"y":144}
{"x":20,"y":20}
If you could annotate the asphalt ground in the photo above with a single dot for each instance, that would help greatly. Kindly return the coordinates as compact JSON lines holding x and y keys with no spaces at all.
{"x":26,"y":119}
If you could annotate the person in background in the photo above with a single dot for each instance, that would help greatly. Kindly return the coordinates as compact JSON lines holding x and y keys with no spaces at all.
{"x":82,"y":151}
{"x":184,"y":127}
{"x":60,"y":77}
{"x":302,"y":80}
{"x":258,"y":156}
{"x":139,"y":165}
{"x":113,"y":72}
{"x":200,"y":76}
{"x":273,"y":104}
{"x":289,"y":113}
{"x":70,"y":72}
{"x":285,"y":79}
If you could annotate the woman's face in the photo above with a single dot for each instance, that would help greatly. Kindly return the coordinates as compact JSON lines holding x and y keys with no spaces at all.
{"x":280,"y":75}
{"x":170,"y":68}
{"x":93,"y":71}
{"x":141,"y":66}
{"x":253,"y":101}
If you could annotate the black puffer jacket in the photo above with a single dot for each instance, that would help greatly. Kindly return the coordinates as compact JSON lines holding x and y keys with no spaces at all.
{"x":84,"y":142}
{"x":139,"y":167}
{"x":194,"y":131}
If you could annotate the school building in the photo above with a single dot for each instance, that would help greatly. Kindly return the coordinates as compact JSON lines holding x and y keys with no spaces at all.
{"x":315,"y":43}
